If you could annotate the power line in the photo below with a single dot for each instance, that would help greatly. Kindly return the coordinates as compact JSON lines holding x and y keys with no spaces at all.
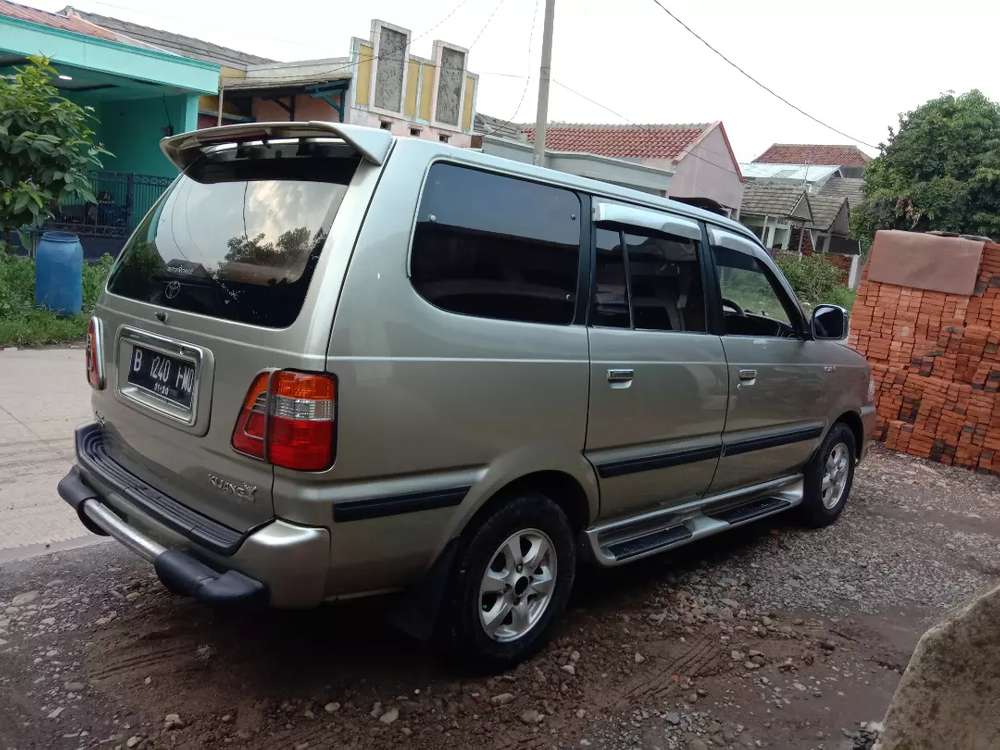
{"x":527,"y":78}
{"x":766,"y":88}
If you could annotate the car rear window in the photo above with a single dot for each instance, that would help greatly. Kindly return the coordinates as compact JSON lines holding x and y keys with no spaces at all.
{"x":237,"y":236}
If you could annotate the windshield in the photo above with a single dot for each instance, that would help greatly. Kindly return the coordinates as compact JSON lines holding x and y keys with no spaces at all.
{"x":237,"y":236}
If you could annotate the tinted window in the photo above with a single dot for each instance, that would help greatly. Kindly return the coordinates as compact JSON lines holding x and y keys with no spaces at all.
{"x":665,"y":283}
{"x":496,"y":246}
{"x":238,"y":235}
{"x":752,"y":304}
{"x":610,"y":289}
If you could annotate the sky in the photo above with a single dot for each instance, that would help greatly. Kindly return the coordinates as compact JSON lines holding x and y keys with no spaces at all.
{"x":854,"y":64}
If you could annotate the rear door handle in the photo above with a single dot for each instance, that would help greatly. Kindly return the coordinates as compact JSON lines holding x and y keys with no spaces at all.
{"x":748,"y":378}
{"x":621,"y":378}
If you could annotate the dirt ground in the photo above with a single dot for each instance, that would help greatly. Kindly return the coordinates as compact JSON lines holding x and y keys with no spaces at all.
{"x":773,"y":636}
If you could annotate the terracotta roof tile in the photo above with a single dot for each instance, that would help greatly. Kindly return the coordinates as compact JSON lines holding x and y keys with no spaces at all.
{"x":662,"y":141}
{"x":813,"y":153}
{"x":56,"y":21}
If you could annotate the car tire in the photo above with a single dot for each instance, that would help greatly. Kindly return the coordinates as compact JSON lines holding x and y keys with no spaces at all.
{"x":829,"y":476}
{"x":497,"y":613}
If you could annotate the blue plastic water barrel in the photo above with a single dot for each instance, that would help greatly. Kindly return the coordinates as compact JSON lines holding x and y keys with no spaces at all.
{"x":59,"y":273}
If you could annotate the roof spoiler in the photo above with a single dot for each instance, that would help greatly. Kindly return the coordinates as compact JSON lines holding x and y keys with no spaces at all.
{"x":372,"y":144}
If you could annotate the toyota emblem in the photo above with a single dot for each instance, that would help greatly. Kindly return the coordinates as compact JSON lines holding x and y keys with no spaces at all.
{"x":172,"y":290}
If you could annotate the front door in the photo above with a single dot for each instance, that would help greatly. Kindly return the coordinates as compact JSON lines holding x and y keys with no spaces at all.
{"x":658,"y":380}
{"x":776,"y":412}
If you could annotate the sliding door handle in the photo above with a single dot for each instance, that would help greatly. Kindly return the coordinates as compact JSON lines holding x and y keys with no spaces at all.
{"x":621,"y":378}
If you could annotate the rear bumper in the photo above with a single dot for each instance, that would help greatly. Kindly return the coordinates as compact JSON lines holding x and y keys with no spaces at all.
{"x":281,"y":564}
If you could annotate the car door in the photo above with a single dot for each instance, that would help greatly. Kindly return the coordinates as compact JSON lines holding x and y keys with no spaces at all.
{"x":776,"y":413}
{"x":658,"y":379}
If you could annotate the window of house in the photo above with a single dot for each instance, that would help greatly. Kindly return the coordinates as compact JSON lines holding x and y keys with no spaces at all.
{"x":753,"y":304}
{"x":647,"y":280}
{"x":444,"y":138}
{"x":496,"y":246}
{"x":385,"y":125}
{"x":415,"y":132}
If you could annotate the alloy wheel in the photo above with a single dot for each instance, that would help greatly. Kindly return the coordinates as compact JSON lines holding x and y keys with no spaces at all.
{"x":518,"y":585}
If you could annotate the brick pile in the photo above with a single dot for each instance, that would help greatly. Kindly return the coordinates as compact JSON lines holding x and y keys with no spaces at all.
{"x":936,"y":364}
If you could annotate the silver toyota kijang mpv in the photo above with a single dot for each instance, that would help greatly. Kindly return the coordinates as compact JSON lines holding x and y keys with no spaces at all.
{"x":331,"y":363}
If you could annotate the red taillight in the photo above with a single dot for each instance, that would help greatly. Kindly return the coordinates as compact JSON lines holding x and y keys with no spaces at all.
{"x":95,"y":364}
{"x":248,"y":435}
{"x":289,"y":418}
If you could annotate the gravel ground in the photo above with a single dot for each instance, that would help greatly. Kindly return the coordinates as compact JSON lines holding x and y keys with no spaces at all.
{"x":771,"y":636}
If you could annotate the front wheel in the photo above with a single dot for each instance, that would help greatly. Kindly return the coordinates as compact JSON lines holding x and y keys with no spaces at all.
{"x":511,"y":581}
{"x":828,"y":478}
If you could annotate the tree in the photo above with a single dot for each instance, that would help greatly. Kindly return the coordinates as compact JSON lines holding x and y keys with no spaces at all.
{"x":940,"y":170}
{"x":47,"y":147}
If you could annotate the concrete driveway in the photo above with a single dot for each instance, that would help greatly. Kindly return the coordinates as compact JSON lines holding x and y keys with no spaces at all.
{"x":44,"y":396}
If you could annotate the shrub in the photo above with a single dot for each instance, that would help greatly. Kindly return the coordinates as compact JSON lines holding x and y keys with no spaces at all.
{"x":814,"y":280}
{"x":23,"y":324}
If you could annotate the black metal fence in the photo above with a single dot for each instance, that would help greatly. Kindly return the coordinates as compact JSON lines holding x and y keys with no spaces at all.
{"x":123,"y":198}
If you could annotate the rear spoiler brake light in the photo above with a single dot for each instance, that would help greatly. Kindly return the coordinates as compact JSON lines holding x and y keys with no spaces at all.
{"x":372,"y":144}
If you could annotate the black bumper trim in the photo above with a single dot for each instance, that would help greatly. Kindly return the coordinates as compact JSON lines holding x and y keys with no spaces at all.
{"x":185,"y":575}
{"x":377,"y":507}
{"x":179,"y":571}
{"x":93,"y":456}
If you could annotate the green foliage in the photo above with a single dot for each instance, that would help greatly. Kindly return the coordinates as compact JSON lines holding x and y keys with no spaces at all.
{"x":940,"y":170}
{"x":815,"y":280}
{"x":22,"y":324}
{"x":47,"y":146}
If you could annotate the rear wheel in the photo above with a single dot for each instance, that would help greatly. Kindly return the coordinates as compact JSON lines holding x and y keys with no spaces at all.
{"x":511,"y":580}
{"x":828,"y":478}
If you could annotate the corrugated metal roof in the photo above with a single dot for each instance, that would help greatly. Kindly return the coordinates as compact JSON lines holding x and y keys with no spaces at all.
{"x":798,"y":172}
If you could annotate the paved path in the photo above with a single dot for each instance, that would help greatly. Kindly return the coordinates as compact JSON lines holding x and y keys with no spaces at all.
{"x":44,"y":396}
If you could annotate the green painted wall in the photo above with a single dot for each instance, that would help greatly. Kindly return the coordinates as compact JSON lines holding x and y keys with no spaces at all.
{"x":132,"y":129}
{"x":89,"y":52}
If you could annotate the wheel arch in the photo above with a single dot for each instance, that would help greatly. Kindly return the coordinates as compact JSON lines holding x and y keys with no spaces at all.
{"x":853,"y":420}
{"x":560,"y":487}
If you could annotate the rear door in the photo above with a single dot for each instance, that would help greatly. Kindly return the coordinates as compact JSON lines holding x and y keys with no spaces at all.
{"x":658,"y":378}
{"x":216,"y":285}
{"x":776,"y":411}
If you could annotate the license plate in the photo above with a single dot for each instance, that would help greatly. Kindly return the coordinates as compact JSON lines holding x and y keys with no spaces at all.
{"x":168,"y":377}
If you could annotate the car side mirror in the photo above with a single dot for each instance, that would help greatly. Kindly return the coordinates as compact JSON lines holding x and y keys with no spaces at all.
{"x":828,"y":323}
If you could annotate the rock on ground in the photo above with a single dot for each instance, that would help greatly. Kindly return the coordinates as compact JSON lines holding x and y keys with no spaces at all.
{"x":949,"y":695}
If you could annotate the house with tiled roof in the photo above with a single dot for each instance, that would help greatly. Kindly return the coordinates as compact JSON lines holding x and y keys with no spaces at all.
{"x":851,"y":160}
{"x":139,"y":92}
{"x":698,"y":155}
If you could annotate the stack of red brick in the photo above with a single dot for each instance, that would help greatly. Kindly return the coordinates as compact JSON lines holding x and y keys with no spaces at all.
{"x":936,"y":362}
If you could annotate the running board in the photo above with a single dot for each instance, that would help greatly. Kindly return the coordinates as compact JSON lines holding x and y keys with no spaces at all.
{"x":635,"y":537}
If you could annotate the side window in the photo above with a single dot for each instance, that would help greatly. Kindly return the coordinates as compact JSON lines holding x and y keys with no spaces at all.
{"x":496,"y":246}
{"x":647,"y":280}
{"x":665,"y":283}
{"x":752,"y":303}
{"x":610,"y":287}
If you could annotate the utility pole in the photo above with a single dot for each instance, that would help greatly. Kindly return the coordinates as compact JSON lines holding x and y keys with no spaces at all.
{"x":544,"y":72}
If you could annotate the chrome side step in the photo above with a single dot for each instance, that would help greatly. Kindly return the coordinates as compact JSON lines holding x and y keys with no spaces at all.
{"x":635,"y":537}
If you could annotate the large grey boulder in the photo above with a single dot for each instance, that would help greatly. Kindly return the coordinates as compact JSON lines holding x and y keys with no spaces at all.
{"x":949,"y":696}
